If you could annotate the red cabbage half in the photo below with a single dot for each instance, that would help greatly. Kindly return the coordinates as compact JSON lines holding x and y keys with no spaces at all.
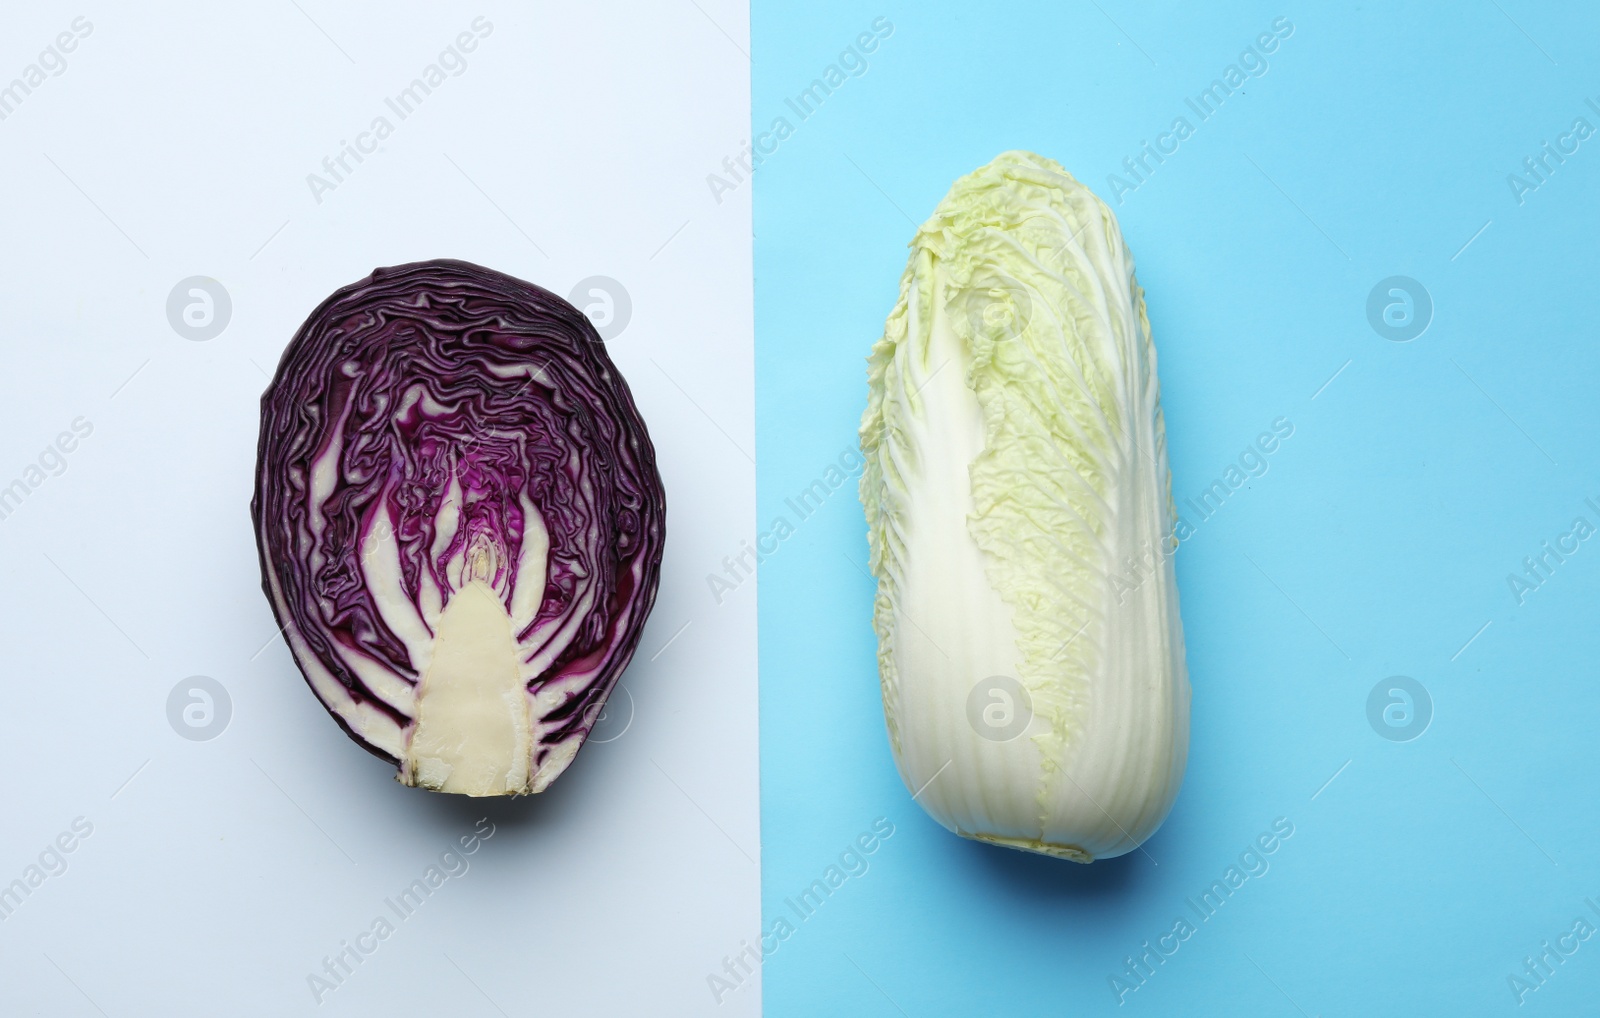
{"x":460,"y":522}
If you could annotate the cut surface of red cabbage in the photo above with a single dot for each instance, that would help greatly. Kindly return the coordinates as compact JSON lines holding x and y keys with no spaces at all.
{"x":460,"y":522}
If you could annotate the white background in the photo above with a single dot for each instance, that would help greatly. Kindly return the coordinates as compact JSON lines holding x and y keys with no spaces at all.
{"x":177,"y":142}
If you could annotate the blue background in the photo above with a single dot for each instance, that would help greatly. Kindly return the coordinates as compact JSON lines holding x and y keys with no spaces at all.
{"x":1377,"y":144}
